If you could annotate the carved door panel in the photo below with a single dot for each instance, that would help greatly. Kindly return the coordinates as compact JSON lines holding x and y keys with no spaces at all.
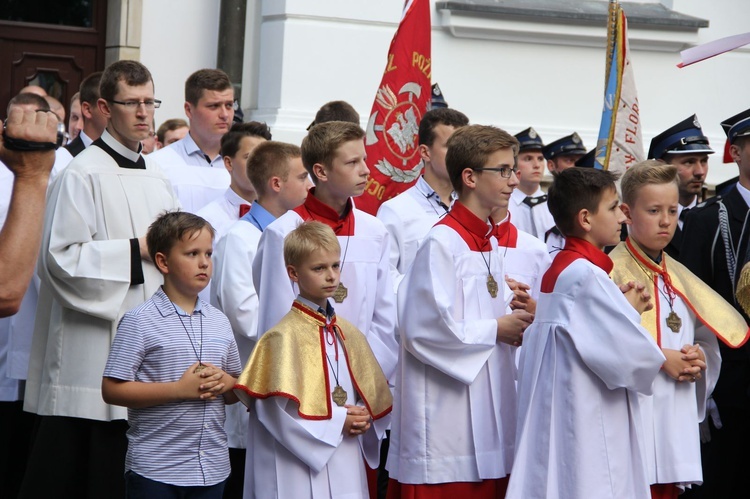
{"x":50,"y":43}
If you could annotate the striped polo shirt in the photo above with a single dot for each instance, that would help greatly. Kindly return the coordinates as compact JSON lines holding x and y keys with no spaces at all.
{"x":179,"y":443}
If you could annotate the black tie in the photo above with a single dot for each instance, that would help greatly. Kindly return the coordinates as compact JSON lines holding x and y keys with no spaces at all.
{"x":683,"y":214}
{"x":533,"y":201}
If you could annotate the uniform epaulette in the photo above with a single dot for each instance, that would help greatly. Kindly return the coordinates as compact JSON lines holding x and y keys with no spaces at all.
{"x":708,"y":202}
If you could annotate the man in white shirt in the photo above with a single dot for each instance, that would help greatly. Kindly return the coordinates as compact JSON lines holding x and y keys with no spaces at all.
{"x":410,"y":215}
{"x":194,"y":164}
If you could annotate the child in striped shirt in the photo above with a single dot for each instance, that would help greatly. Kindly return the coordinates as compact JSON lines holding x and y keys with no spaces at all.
{"x":173,"y":364}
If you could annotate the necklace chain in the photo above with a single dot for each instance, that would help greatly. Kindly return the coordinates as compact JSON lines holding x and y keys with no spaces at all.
{"x":198,"y":354}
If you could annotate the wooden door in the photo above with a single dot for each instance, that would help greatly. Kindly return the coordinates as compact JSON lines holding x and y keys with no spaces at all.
{"x":51,"y":43}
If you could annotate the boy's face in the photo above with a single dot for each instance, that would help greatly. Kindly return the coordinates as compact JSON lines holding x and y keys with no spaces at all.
{"x":530,"y":167}
{"x":317,"y":276}
{"x":605,"y":224}
{"x":435,"y":153}
{"x":653,"y":217}
{"x":492,"y":189}
{"x":237,"y":166}
{"x":294,"y":189}
{"x":691,"y":171}
{"x":187,"y":268}
{"x":347,"y":175}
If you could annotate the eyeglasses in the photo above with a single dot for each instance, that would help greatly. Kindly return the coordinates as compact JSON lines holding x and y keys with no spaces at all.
{"x":132,"y":105}
{"x":504,"y":171}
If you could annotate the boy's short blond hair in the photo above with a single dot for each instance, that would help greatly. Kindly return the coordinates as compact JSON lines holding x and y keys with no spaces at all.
{"x":173,"y":226}
{"x":323,"y":140}
{"x":306,"y":238}
{"x":471,"y":146}
{"x":649,"y":172}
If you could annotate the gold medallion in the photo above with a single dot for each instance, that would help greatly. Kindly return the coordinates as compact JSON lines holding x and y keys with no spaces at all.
{"x":492,"y":286}
{"x":200,"y":368}
{"x":340,"y":294}
{"x":339,"y":396}
{"x":674,"y":322}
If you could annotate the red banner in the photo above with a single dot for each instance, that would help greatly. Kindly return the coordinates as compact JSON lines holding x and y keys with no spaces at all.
{"x":403,"y":96}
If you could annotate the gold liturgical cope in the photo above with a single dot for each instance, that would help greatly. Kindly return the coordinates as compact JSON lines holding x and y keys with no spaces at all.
{"x":289,"y":361}
{"x":707,"y":305}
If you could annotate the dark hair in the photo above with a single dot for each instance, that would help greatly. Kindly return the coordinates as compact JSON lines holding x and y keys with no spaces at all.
{"x":471,"y":146}
{"x":439,"y":116}
{"x":169,"y":126}
{"x":270,"y":159}
{"x":575,"y":189}
{"x":133,"y":73}
{"x":28,"y":99}
{"x":89,"y":88}
{"x":322,"y":142}
{"x":336,"y":110}
{"x":205,"y":79}
{"x":171,"y":227}
{"x":230,"y":141}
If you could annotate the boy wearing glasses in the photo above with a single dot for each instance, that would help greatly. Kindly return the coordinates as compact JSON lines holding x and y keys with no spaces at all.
{"x":94,"y":265}
{"x":455,"y":400}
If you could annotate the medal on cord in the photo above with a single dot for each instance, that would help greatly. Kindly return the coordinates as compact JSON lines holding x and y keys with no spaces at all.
{"x":674,"y":322}
{"x":492,"y":286}
{"x":340,"y":294}
{"x":338,"y":394}
{"x":198,"y":354}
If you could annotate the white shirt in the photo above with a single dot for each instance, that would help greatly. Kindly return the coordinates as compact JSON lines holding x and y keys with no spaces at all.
{"x":408,"y":218}
{"x":537,"y":220}
{"x":680,"y":208}
{"x":195,"y":181}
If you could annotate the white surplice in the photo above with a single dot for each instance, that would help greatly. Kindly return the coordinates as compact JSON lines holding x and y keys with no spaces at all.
{"x":583,"y":362}
{"x":454,"y":409}
{"x":288,"y":456}
{"x":527,"y":261}
{"x":408,"y":218}
{"x":233,"y":292}
{"x":365,"y":272}
{"x":671,"y":415}
{"x":94,"y":208}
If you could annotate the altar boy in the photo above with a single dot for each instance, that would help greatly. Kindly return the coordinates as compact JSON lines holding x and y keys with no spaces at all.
{"x":684,"y":324}
{"x":584,"y":359}
{"x":455,"y":400}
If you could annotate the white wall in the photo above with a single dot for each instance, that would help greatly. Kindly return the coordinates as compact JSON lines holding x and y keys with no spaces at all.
{"x":498,"y":72}
{"x":178,"y":38}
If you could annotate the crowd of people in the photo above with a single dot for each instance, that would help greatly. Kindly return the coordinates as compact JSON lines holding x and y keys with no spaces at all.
{"x":210,"y":315}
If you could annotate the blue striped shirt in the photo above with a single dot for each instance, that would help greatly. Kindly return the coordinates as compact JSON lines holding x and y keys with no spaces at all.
{"x":179,"y":443}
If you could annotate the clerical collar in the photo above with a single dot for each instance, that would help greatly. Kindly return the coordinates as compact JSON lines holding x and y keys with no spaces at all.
{"x":315,"y":209}
{"x":745,"y":193}
{"x":328,"y":313}
{"x":473,"y":230}
{"x":589,"y":252}
{"x":124,"y":157}
{"x":258,"y":216}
